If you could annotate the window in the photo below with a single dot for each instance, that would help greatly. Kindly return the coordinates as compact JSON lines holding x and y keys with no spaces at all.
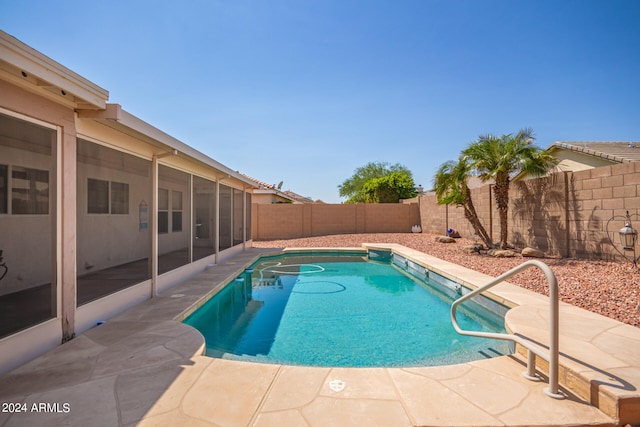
{"x":176,"y":211}
{"x":30,"y":192}
{"x":4,"y":188}
{"x":98,"y":196}
{"x":163,"y":210}
{"x":98,"y":192}
{"x":119,"y":198}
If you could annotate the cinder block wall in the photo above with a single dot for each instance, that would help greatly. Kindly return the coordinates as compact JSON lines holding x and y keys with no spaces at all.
{"x":436,"y":219}
{"x":538,"y":214}
{"x":286,"y":221}
{"x":433,"y":217}
{"x":571,"y":214}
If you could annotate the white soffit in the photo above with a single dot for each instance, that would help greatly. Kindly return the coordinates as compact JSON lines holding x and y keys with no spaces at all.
{"x":31,"y":70}
{"x":115,"y":117}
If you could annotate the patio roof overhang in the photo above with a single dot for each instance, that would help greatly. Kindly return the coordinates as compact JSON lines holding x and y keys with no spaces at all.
{"x":31,"y":70}
{"x":116,"y":118}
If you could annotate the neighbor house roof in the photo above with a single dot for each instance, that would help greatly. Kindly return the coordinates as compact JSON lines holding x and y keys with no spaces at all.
{"x":297,"y":197}
{"x":264,"y":188}
{"x":261,"y":184}
{"x":616,"y":152}
{"x":581,"y":155}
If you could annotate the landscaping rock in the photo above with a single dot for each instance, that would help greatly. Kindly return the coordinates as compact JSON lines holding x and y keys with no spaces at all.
{"x":445,"y":239}
{"x":502,"y":253}
{"x":531,"y":252}
{"x":473,"y":249}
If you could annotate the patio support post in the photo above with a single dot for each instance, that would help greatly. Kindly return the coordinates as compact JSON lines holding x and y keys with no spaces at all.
{"x":217,"y":222}
{"x":64,"y":241}
{"x":191,"y":219}
{"x":244,"y":218}
{"x":154,"y":226}
{"x":567,"y":231}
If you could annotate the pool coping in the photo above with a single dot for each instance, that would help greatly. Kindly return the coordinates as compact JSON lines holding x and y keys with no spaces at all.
{"x":614,"y":390}
{"x":145,"y":368}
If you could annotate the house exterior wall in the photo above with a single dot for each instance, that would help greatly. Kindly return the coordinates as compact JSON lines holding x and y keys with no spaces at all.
{"x":48,"y":253}
{"x":307,"y":220}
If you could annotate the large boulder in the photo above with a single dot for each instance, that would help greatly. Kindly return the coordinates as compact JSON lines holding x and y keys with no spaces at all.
{"x":532,"y":252}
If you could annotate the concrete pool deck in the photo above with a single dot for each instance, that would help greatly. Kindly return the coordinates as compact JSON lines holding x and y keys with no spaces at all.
{"x":144,"y":368}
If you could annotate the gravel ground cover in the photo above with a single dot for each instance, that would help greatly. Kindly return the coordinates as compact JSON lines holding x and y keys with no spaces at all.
{"x":608,"y":288}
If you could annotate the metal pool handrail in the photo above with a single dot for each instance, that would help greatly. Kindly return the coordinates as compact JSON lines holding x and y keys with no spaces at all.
{"x":551,"y":355}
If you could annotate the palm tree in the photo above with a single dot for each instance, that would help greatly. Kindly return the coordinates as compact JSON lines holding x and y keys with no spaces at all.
{"x":501,"y":158}
{"x":450,"y":185}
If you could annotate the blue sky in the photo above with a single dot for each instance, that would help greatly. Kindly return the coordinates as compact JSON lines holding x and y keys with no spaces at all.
{"x":306,"y":91}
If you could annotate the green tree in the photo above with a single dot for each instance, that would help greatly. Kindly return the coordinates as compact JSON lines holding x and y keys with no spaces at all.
{"x":353,"y":188}
{"x":390,"y":188}
{"x":450,"y":185}
{"x":500,"y":158}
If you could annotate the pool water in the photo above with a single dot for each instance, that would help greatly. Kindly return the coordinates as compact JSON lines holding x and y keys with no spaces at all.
{"x":339,"y":311}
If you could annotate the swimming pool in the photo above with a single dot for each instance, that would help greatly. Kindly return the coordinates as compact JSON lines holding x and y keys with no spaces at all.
{"x":348,"y":309}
